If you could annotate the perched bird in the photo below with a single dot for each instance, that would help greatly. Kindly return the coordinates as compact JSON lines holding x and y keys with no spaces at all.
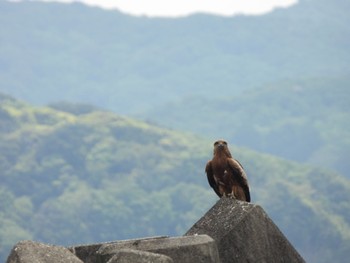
{"x":226,"y":175}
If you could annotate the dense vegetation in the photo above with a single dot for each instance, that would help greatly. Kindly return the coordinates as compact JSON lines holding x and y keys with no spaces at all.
{"x":278,"y":83}
{"x":306,"y":120}
{"x":74,"y":174}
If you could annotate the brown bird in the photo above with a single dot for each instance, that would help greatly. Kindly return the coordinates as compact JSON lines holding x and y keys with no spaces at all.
{"x":226,"y":175}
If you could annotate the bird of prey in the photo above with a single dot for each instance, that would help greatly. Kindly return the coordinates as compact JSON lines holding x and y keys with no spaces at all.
{"x":226,"y":175}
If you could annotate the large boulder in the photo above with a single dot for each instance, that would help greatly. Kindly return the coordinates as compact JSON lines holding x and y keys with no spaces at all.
{"x":244,"y":233}
{"x":30,"y":251}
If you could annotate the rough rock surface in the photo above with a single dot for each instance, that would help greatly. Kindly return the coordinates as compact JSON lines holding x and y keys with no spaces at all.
{"x":30,"y":252}
{"x":137,"y":256}
{"x":187,"y":249}
{"x":231,"y":231}
{"x":88,"y":252}
{"x":244,"y":233}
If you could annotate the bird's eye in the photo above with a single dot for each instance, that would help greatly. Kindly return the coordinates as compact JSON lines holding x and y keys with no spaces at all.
{"x":225,"y":143}
{"x":216,"y":143}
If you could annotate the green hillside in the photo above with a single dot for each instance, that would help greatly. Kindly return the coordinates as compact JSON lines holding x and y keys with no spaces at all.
{"x":52,"y":51}
{"x":306,"y":120}
{"x":275,"y":83}
{"x":74,"y":174}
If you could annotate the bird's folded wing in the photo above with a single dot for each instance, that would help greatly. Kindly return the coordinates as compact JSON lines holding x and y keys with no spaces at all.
{"x":211,"y":180}
{"x":243,"y":179}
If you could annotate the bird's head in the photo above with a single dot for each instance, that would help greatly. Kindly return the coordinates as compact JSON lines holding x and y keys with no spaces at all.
{"x":220,"y":146}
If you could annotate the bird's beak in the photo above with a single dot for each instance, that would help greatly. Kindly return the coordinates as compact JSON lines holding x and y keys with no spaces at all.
{"x":221,"y":145}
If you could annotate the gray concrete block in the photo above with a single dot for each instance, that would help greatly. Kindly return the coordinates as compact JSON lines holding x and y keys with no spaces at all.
{"x":30,"y":251}
{"x":244,"y":233}
{"x":199,"y":248}
{"x":87,"y":252}
{"x":138,"y":256}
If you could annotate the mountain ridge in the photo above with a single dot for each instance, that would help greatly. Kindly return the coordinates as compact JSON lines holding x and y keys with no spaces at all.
{"x":80,"y":169}
{"x":90,"y":173}
{"x":305,"y":120}
{"x":106,"y":55}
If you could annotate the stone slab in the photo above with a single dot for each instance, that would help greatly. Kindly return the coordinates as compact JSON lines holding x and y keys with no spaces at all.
{"x":138,"y":256}
{"x":199,"y":248}
{"x":87,"y":252}
{"x":244,"y":233}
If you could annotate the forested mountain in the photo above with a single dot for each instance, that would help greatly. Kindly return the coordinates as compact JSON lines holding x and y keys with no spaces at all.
{"x":72,"y":173}
{"x":75,"y":174}
{"x":275,"y":79}
{"x":52,"y":51}
{"x":306,"y":120}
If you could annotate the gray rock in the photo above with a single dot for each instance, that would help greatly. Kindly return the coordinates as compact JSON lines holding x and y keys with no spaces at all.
{"x":137,"y":256}
{"x":30,"y":251}
{"x":234,"y":230}
{"x":87,"y":253}
{"x":199,"y":248}
{"x":244,"y":233}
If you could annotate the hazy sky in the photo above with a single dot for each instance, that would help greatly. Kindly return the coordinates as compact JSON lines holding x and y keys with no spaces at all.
{"x":185,"y":7}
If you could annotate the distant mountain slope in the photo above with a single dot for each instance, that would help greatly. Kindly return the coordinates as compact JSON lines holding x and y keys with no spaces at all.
{"x":53,"y":52}
{"x":305,"y":120}
{"x":74,"y":174}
